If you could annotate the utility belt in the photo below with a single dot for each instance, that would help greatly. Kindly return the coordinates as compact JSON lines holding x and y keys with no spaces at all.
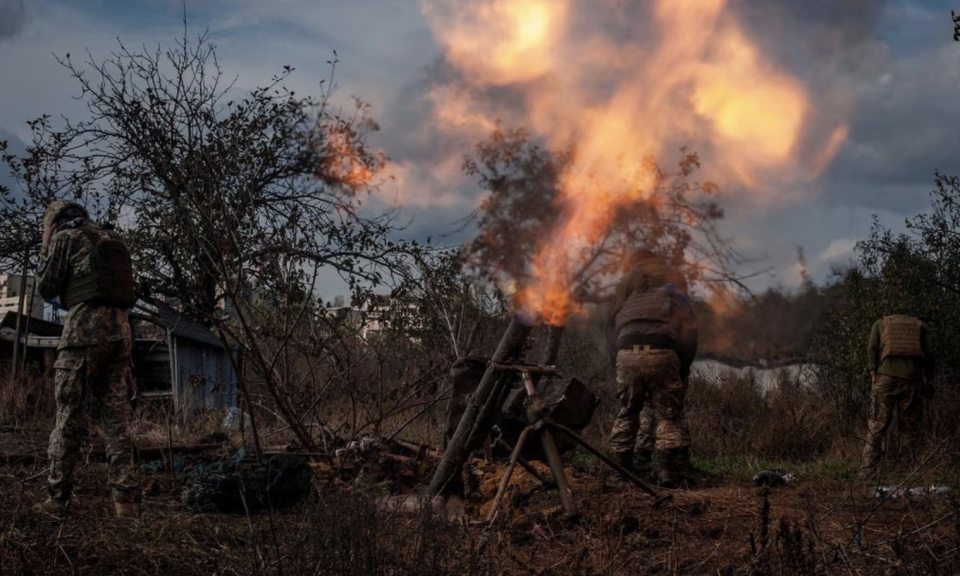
{"x":644,"y":343}
{"x":644,"y":348}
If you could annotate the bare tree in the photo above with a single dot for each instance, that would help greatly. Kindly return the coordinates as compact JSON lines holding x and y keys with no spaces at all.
{"x":234,"y":197}
{"x":677,"y":218}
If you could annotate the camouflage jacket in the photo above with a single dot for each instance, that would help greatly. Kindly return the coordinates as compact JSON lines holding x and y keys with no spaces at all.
{"x":86,"y":324}
{"x":681,"y":333}
{"x":906,"y":367}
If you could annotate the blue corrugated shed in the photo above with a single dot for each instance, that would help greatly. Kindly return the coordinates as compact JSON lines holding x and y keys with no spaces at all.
{"x":186,"y":362}
{"x":204,"y":377}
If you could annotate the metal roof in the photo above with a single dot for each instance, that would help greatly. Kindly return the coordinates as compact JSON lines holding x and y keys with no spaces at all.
{"x":168,"y":317}
{"x":33,"y":325}
{"x":148,"y":310}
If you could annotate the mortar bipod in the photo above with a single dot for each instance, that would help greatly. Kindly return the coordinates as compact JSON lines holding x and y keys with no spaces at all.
{"x":543,"y":427}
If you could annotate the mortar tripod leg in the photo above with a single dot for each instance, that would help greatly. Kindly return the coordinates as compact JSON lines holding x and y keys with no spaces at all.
{"x":603,"y":458}
{"x":505,"y":479}
{"x":556,"y":466}
{"x":525,"y":464}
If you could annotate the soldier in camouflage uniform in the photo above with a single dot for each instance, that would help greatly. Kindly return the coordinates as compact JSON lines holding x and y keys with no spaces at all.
{"x":93,"y":366}
{"x":657,"y":342}
{"x":647,"y":427}
{"x":901,"y":370}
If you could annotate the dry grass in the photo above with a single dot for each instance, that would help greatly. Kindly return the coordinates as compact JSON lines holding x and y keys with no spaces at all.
{"x":824,"y":523}
{"x":734,"y":529}
{"x":26,"y":400}
{"x":732,"y":417}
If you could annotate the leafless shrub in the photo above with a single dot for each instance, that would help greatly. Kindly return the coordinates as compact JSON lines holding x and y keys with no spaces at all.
{"x":731,"y":416}
{"x":26,"y":400}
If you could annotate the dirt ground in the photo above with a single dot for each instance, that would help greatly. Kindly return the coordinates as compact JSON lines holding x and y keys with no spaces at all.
{"x":727,"y":526}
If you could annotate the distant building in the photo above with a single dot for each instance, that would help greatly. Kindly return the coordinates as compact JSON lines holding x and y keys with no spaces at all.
{"x":344,"y":316}
{"x":376,"y":315}
{"x":10,"y":291}
{"x":766,"y":376}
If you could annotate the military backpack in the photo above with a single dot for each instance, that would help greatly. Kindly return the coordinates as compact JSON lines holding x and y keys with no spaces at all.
{"x":110,"y":279}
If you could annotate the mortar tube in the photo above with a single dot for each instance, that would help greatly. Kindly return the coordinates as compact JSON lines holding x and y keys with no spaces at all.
{"x":511,"y":345}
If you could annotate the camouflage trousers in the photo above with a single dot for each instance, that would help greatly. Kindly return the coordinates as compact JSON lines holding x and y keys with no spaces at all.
{"x":895,"y":404}
{"x":653,"y":374}
{"x":93,"y":380}
{"x":647,"y":432}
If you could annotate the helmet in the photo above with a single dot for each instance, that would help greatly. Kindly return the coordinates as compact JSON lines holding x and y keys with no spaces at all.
{"x":57,"y":209}
{"x":651,"y":265}
{"x":643,"y":257}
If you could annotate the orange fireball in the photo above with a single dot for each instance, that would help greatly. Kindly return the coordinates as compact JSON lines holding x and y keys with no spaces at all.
{"x":690,"y":76}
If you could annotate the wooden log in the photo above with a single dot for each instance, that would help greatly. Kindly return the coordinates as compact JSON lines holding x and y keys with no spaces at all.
{"x":322,"y":455}
{"x":398,"y":458}
{"x":419,"y":451}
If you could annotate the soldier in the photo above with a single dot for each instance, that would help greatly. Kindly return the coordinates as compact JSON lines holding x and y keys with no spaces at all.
{"x":901,"y":372}
{"x":657,"y":342}
{"x":646,"y":431}
{"x":88,"y":268}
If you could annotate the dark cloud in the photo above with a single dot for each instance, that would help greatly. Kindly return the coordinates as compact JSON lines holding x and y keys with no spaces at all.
{"x":440,"y":227}
{"x":13,"y":17}
{"x":406,"y":122}
{"x":903,"y":129}
{"x":410,"y":130}
{"x":817,"y":27}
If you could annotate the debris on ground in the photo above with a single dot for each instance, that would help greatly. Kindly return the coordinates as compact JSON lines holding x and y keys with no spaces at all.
{"x":772,"y":479}
{"x":395,"y":466}
{"x":364,"y":444}
{"x":235,"y":419}
{"x":396,"y":469}
{"x":898,"y":492}
{"x":240,"y":485}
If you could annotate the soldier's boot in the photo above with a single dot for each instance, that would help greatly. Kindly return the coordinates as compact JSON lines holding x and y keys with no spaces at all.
{"x":691,"y":474}
{"x":674,"y":464}
{"x":642,"y":459}
{"x":58,"y":497}
{"x":126,"y":499}
{"x":624,"y":459}
{"x":51,"y":507}
{"x":129,"y":510}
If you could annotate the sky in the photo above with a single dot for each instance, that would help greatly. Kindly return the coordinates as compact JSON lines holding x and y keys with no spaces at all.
{"x":886,"y":70}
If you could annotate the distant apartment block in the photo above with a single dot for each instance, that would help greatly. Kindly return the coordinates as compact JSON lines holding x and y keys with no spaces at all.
{"x":11,"y":286}
{"x":377,"y":315}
